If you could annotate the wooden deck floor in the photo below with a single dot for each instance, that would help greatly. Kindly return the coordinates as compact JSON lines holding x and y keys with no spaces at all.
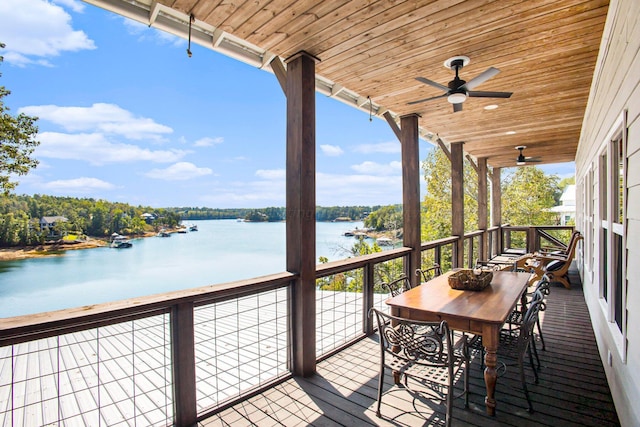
{"x":572,"y":391}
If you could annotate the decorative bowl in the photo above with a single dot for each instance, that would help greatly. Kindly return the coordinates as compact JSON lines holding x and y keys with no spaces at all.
{"x":467,"y":280}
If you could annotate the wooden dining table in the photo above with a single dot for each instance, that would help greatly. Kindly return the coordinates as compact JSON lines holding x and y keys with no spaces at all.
{"x":476,"y":312}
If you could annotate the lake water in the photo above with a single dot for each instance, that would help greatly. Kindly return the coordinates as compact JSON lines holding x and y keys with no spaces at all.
{"x":220,"y":251}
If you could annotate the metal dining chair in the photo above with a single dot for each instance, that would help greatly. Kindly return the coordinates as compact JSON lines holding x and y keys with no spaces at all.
{"x":516,"y":344}
{"x":517,"y":315}
{"x":424,"y":353}
{"x":397,"y":286}
{"x":429,"y":273}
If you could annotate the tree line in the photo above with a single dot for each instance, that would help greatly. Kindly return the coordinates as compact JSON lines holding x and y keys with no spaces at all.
{"x":20,"y":217}
{"x":273,"y":214}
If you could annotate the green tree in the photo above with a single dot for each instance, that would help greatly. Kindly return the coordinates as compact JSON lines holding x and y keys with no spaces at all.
{"x":527,"y":195}
{"x":385,"y":218}
{"x":436,"y":206}
{"x":17,"y":142}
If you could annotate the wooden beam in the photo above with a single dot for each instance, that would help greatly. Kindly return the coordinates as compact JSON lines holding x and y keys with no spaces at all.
{"x":472,"y":163}
{"x":444,"y":148}
{"x":301,"y":208}
{"x":411,"y":193}
{"x":483,"y":249}
{"x":394,"y":126}
{"x":280,"y":72}
{"x":457,"y":202}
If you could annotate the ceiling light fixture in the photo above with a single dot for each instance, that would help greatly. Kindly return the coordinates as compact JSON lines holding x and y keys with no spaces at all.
{"x":457,"y":97}
{"x":490,"y":107}
{"x":510,"y":132}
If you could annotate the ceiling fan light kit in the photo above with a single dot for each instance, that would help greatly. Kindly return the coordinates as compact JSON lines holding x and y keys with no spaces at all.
{"x":457,"y":98}
{"x":457,"y":90}
{"x":522,"y":160}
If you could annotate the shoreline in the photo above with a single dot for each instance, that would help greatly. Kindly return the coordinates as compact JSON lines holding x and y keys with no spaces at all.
{"x":57,"y":248}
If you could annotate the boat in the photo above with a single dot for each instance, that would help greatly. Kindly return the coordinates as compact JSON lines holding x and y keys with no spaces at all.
{"x":118,"y":241}
{"x":348,"y":234}
{"x":384,"y":241}
{"x":182,"y":230}
{"x":193,"y":227}
{"x":164,"y":233}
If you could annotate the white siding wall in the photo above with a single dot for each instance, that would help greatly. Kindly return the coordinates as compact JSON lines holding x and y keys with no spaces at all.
{"x":616,"y":87}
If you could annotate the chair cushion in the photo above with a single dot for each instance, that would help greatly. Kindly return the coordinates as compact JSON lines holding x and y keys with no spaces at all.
{"x":554,"y":265}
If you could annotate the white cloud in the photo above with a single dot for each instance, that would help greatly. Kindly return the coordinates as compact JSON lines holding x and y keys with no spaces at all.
{"x":271,"y":174}
{"x":96,"y":149}
{"x":374,"y":168}
{"x":78,"y":185}
{"x":208,"y":142}
{"x":143,"y":32}
{"x":350,"y":190}
{"x":74,"y":5}
{"x":331,"y":150}
{"x":100,"y":117}
{"x":382,"y":147}
{"x":35,"y":31}
{"x":179,"y":172}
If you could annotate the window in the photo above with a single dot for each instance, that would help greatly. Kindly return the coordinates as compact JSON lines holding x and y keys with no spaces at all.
{"x":612,"y":245}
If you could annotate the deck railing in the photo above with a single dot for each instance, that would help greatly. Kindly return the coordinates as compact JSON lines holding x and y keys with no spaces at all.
{"x":173,"y":358}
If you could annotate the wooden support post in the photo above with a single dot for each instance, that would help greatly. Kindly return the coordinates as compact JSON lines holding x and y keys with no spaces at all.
{"x":367,"y":298}
{"x":411,"y":193}
{"x":301,"y":208}
{"x":457,"y":201}
{"x":483,"y":220}
{"x":183,"y":365}
{"x":496,"y":207}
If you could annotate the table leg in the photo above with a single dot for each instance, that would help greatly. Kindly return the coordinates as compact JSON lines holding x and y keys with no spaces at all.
{"x":490,"y":378}
{"x":490,"y":339}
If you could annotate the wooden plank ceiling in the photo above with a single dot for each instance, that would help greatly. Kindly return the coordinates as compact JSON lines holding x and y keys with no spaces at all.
{"x":545,"y":50}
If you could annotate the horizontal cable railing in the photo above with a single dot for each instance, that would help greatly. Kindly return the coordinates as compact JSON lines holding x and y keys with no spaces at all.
{"x":346,"y":291}
{"x":125,"y":363}
{"x":145,"y":361}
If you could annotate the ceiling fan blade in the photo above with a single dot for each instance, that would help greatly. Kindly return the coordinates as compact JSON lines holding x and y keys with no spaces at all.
{"x":483,"y":94}
{"x":427,"y":99}
{"x":532,"y":159}
{"x":457,"y":107}
{"x":481,"y":78}
{"x":432,"y":83}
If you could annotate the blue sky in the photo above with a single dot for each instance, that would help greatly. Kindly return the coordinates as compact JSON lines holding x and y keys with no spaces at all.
{"x":126,"y":115}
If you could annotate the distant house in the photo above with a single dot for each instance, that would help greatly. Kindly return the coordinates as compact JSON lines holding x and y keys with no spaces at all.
{"x":566,"y":211}
{"x":49,"y":223}
{"x":148,"y":217}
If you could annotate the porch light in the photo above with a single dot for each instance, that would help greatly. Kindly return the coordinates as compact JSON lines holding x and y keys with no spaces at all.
{"x":457,"y":97}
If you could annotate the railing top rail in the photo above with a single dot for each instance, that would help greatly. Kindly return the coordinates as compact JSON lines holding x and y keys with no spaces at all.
{"x":333,"y":267}
{"x":473,"y":233}
{"x":538,"y":227}
{"x":440,"y":242}
{"x":52,"y":323}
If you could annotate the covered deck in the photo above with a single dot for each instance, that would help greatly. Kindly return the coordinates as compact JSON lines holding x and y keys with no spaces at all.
{"x":572,"y":390}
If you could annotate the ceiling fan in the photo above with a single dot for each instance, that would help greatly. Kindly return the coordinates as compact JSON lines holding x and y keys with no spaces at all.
{"x":522,"y":159}
{"x":457,"y":90}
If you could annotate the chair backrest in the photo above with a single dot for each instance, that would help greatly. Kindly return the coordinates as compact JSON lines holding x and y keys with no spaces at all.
{"x":426,"y":274}
{"x":529,"y":321}
{"x":423,"y":343}
{"x":560,"y":267}
{"x":397,"y":286}
{"x":544,"y":286}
